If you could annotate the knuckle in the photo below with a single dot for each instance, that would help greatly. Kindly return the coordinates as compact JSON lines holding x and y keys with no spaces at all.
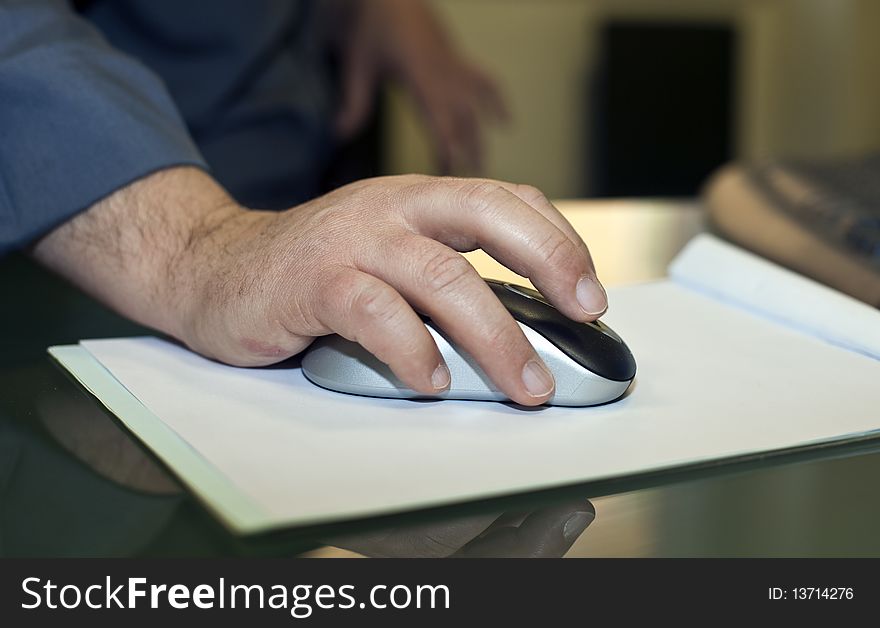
{"x":482,"y":196}
{"x":557,"y":251}
{"x":531,"y":194}
{"x":375,"y":303}
{"x":417,"y":182}
{"x":434,"y":188}
{"x":507,"y":342}
{"x":445,"y":269}
{"x":411,"y":178}
{"x":429,"y":184}
{"x":338,"y":284}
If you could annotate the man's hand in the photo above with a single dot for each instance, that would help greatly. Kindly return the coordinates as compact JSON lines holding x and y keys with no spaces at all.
{"x":548,"y":532}
{"x":403,"y":40}
{"x":252,"y":288}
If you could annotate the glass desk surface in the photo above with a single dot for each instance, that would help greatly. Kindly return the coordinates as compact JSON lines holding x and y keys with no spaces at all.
{"x":73,"y":482}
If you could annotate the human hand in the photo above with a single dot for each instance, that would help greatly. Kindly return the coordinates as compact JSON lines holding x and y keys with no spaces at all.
{"x":356,"y":261}
{"x":544,"y":533}
{"x":403,"y":40}
{"x":251,"y":288}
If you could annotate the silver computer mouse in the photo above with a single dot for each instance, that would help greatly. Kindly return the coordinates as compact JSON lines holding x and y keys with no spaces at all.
{"x":591,"y":363}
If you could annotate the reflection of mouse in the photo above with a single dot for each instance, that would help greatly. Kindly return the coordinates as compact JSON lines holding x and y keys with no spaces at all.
{"x":590,"y":362}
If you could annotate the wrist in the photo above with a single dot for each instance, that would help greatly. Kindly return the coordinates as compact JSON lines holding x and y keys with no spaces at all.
{"x":135,"y":250}
{"x":215,"y":270}
{"x":186,"y":278}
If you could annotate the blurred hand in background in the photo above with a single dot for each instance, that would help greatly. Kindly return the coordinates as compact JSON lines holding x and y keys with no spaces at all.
{"x":403,"y":40}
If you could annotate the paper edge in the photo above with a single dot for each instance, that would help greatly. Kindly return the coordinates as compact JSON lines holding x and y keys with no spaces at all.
{"x":244,"y":516}
{"x":212,"y":487}
{"x":679,"y":272}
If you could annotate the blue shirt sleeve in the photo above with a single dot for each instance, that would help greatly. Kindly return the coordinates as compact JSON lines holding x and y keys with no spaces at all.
{"x":78,"y":119}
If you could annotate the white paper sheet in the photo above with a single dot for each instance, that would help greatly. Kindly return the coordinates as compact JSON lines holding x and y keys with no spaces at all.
{"x":737,"y":277}
{"x":713,"y":381}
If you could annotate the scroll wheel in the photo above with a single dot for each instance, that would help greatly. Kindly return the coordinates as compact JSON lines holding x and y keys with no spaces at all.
{"x":529,"y":293}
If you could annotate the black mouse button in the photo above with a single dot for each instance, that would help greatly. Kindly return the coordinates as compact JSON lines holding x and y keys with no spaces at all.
{"x":529,"y":293}
{"x":604,"y":354}
{"x":605,"y":329}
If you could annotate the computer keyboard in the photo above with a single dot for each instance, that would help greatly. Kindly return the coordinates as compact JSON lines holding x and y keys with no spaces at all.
{"x":839,"y":201}
{"x":819,"y":219}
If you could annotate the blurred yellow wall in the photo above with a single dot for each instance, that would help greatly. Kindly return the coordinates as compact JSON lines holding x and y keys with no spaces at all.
{"x":809,"y":82}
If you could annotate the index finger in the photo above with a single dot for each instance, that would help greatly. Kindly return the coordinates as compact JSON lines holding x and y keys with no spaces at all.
{"x":539,"y":244}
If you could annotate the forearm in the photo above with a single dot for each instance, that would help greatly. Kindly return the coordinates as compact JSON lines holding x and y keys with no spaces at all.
{"x":138,"y":249}
{"x":71,"y":110}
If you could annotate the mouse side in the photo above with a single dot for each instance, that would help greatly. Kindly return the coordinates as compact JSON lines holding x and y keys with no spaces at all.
{"x":591,"y":364}
{"x":344,"y":366}
{"x":594,"y":346}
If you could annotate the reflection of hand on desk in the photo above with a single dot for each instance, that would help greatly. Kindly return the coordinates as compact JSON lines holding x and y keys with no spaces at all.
{"x":102,"y":445}
{"x":548,"y":532}
{"x":55,"y":504}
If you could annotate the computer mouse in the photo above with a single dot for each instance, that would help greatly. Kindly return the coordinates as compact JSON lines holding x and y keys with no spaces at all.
{"x":592,"y":365}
